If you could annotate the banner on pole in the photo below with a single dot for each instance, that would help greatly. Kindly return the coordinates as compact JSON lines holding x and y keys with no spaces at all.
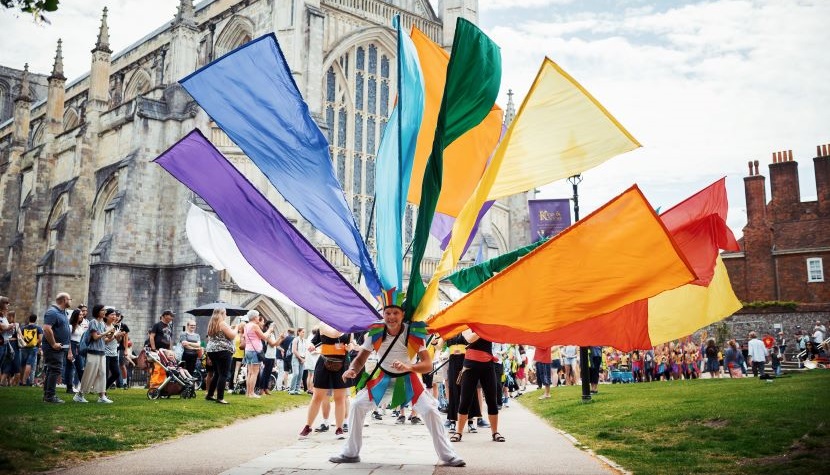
{"x":548,"y":217}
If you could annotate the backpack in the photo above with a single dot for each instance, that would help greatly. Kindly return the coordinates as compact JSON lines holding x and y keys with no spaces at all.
{"x":29,"y":337}
{"x":84,"y":343}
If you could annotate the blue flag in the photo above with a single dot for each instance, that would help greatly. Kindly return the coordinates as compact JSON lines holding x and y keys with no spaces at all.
{"x":251,"y":94}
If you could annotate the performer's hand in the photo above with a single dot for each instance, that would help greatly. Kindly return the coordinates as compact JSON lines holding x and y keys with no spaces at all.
{"x":400,"y":366}
{"x":349,"y":374}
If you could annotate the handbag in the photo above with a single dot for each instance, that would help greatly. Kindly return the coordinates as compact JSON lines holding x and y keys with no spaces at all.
{"x":332,"y":364}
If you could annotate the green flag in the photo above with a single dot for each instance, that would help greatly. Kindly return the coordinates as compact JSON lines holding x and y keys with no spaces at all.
{"x":468,"y":279}
{"x":473,"y":79}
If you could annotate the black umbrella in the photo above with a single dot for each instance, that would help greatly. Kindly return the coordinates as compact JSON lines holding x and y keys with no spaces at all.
{"x":206,"y":310}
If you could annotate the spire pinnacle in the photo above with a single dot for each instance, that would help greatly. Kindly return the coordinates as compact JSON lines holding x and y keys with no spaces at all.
{"x":24,"y":86}
{"x":186,"y":15}
{"x":103,"y":43}
{"x":57,"y":68}
{"x":510,"y":111}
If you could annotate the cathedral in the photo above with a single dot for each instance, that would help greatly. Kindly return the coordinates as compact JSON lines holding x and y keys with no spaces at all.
{"x":83,"y":209}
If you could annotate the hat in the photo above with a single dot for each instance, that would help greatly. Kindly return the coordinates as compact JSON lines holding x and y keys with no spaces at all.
{"x":392,"y":298}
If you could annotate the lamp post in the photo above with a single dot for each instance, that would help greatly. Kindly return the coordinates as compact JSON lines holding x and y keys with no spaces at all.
{"x":583,"y":350}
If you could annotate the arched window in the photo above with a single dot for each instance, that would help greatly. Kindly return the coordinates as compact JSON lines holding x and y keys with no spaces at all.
{"x":56,"y":218}
{"x":103,"y":209}
{"x":357,"y":100}
{"x":139,"y":83}
{"x":71,"y":119}
{"x":37,"y":135}
{"x":236,"y":33}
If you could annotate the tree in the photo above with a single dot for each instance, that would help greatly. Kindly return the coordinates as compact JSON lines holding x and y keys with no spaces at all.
{"x":35,"y":7}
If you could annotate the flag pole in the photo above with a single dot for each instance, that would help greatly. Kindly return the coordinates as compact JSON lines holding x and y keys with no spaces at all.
{"x":584,"y":370}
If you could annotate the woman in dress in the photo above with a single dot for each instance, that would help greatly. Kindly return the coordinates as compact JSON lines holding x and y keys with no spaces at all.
{"x":95,"y":372}
{"x":219,"y":347}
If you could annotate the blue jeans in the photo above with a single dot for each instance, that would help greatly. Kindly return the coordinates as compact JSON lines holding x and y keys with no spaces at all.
{"x":296,"y":375}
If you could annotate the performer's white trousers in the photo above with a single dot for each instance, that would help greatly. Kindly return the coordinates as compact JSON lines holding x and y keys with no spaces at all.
{"x":426,"y":407}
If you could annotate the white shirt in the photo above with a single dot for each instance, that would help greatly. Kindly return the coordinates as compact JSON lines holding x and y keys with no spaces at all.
{"x":818,"y":336}
{"x":757,"y":351}
{"x":397,"y":353}
{"x":79,"y":330}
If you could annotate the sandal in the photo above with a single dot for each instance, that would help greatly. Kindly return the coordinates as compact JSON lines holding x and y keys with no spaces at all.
{"x":498,"y":437}
{"x":455,"y":437}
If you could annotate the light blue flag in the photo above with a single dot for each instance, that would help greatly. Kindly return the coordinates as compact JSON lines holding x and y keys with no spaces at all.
{"x":394,"y":162}
{"x":251,"y":94}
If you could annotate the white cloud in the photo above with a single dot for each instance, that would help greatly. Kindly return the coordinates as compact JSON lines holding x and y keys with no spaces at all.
{"x":487,"y":5}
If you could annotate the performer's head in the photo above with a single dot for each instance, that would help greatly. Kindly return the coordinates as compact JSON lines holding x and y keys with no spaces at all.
{"x":393,"y":316}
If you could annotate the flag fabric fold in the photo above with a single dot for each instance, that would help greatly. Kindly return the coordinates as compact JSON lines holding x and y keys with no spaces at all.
{"x":211,"y":241}
{"x":619,"y":254}
{"x":560,"y":130}
{"x":251,"y":94}
{"x":472,"y":84}
{"x":394,"y":163}
{"x":267,"y":240}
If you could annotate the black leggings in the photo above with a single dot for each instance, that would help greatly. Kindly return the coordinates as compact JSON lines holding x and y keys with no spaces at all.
{"x":456,"y":362}
{"x":220,"y":361}
{"x":113,"y":370}
{"x":476,"y":373}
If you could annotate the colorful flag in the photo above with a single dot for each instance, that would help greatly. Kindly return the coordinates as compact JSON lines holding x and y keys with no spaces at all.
{"x":273,"y":247}
{"x":394,"y":162}
{"x":560,"y":130}
{"x":695,"y":227}
{"x":251,"y":94}
{"x":465,"y":159}
{"x":619,"y":254}
{"x":473,"y":79}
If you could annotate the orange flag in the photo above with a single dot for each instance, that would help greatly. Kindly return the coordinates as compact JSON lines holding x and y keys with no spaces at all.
{"x":465,"y":158}
{"x":619,"y":254}
{"x":698,"y":226}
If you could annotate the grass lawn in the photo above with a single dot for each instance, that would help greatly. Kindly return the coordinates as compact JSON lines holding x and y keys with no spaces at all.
{"x":35,"y":436}
{"x":709,"y":426}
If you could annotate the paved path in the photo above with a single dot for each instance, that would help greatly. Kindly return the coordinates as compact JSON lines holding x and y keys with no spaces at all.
{"x":268,"y":445}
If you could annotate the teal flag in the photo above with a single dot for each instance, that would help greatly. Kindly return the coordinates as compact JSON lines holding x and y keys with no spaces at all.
{"x":473,"y":80}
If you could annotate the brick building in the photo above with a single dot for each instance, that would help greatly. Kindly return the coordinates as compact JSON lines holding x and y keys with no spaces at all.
{"x":785,"y":249}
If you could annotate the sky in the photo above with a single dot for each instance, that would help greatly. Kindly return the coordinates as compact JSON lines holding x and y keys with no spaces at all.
{"x":705,"y":86}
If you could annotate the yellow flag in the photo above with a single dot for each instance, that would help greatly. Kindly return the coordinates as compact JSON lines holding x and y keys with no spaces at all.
{"x":559,"y":131}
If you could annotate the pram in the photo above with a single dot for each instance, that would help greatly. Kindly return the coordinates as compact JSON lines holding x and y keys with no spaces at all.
{"x":168,"y":379}
{"x":622,"y":375}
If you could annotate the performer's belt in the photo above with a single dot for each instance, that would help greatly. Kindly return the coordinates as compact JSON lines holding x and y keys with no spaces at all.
{"x":394,"y":375}
{"x":332,"y":350}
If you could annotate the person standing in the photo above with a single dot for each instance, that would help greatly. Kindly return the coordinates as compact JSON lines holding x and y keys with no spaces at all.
{"x":542,"y":359}
{"x":56,"y":333}
{"x":111,"y":349}
{"x":191,"y":345}
{"x":299,"y":350}
{"x":285,"y":353}
{"x":32,"y":337}
{"x":711,"y":352}
{"x":5,"y":326}
{"x":389,"y":339}
{"x":95,"y":371}
{"x":161,"y":334}
{"x":253,"y":346}
{"x":328,"y":376}
{"x":219,"y":347}
{"x":271,"y":344}
{"x":478,"y":370}
{"x":124,"y":351}
{"x":11,"y":364}
{"x":569,"y":364}
{"x":758,"y":354}
{"x":79,"y":324}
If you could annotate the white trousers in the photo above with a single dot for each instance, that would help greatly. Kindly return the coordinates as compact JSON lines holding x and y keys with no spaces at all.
{"x":426,"y":407}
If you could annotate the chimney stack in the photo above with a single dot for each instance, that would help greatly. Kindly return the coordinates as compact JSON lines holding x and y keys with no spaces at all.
{"x":821,"y":164}
{"x":755,"y":189}
{"x":784,"y":187}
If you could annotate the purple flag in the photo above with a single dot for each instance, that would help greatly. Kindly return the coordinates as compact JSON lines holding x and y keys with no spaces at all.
{"x":548,"y":217}
{"x":278,"y":252}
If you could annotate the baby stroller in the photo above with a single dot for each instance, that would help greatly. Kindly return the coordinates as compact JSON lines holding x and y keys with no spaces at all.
{"x":168,"y":379}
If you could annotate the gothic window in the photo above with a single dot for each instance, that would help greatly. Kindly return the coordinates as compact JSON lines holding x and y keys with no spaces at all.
{"x":237,"y":32}
{"x":103,"y":209}
{"x":139,"y":83}
{"x":357,"y":89}
{"x":37,"y":135}
{"x":56,"y":217}
{"x":71,"y":119}
{"x":26,"y":186}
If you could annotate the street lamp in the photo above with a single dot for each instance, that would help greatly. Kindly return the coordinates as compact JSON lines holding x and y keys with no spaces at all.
{"x":583,"y":350}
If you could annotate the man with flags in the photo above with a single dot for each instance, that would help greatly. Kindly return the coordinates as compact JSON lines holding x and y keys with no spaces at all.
{"x":398,"y":344}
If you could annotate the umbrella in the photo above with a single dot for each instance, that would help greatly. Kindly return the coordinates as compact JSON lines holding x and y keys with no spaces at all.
{"x":206,"y":310}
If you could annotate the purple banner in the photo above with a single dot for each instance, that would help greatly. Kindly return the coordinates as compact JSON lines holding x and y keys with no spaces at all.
{"x":278,"y":252}
{"x":548,"y":217}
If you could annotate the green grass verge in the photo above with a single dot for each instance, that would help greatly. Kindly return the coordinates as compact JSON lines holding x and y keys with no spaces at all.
{"x":720,"y":426}
{"x":35,"y":436}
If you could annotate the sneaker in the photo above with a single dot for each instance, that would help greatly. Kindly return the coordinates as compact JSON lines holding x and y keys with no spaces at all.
{"x":454,"y":462}
{"x":79,"y":398}
{"x":451,"y":426}
{"x":105,"y":400}
{"x":344,"y":459}
{"x":53,"y":400}
{"x":447,"y":424}
{"x":471,"y":428}
{"x":305,"y":432}
{"x":415,"y":420}
{"x":483,"y":423}
{"x":345,"y":427}
{"x":338,"y":434}
{"x":401,"y":419}
{"x":376,"y":416}
{"x":322,"y":428}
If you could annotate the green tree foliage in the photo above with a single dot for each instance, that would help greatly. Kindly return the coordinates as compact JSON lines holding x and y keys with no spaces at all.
{"x":35,"y":7}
